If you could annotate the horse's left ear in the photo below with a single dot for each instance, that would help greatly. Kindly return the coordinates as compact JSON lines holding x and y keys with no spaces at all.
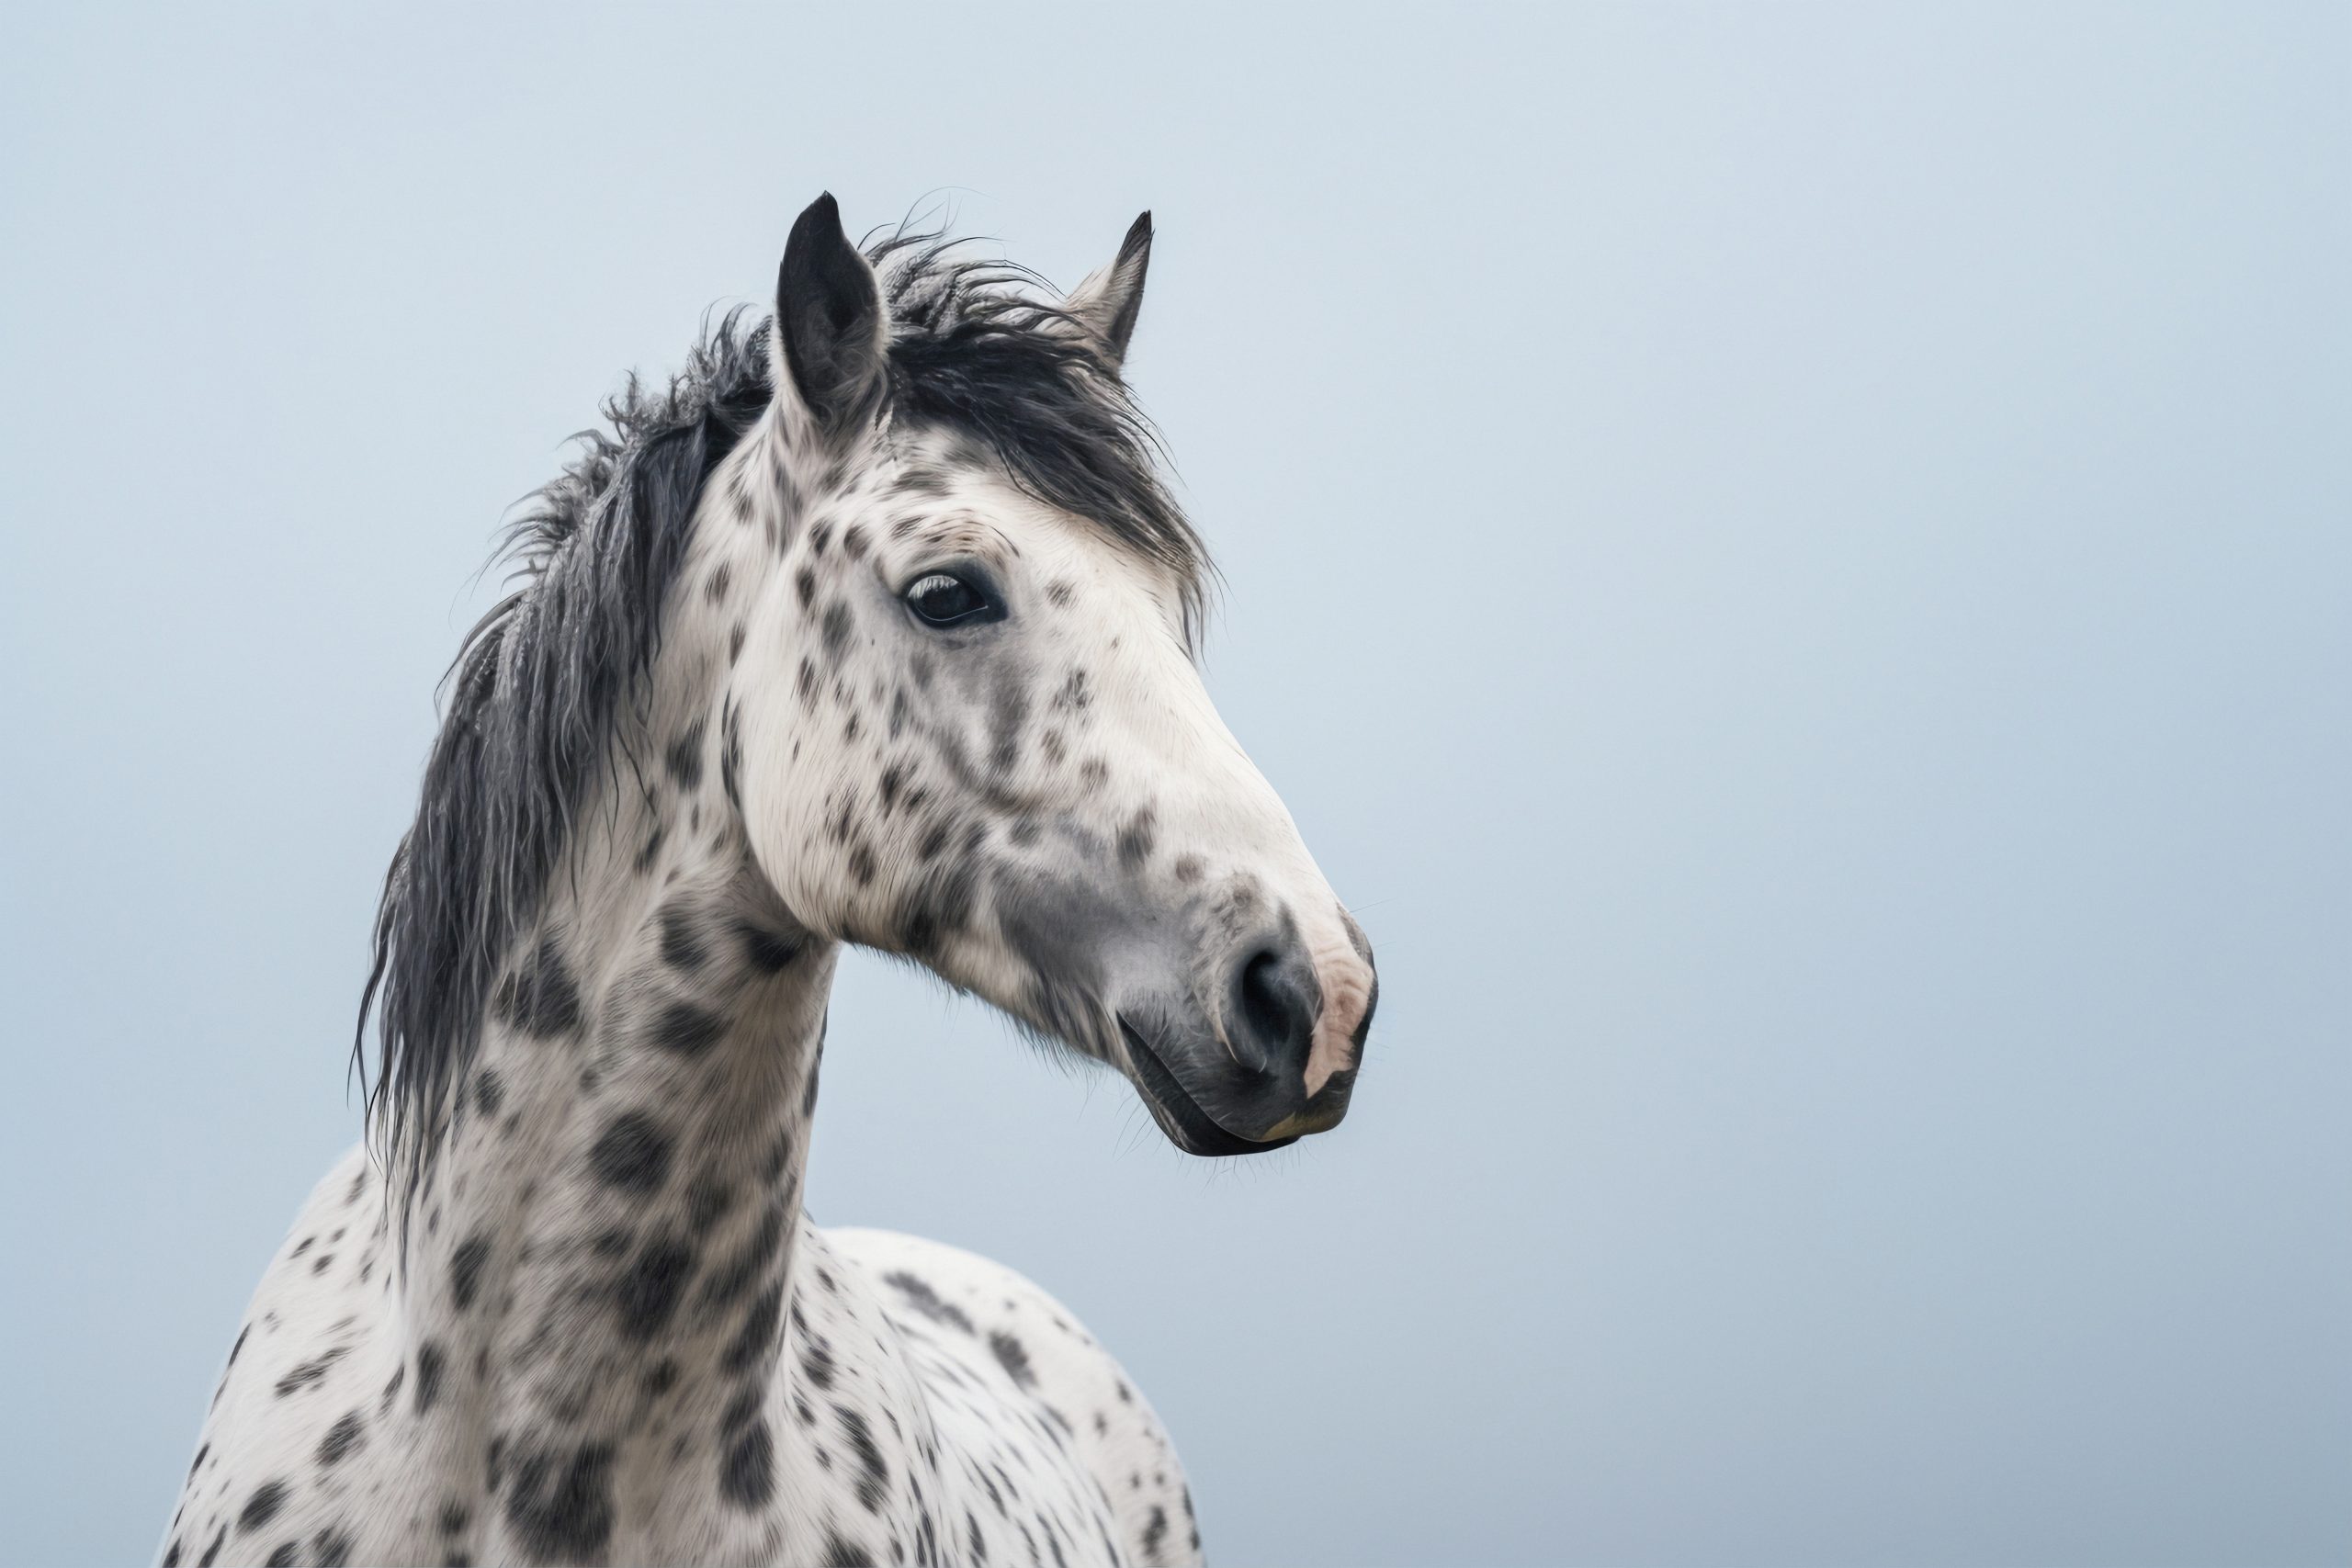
{"x":829,"y":318}
{"x":1110,"y":298}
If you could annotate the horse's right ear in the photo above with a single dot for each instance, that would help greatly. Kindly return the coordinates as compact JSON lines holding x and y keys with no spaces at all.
{"x":1108,"y":301}
{"x":829,"y":318}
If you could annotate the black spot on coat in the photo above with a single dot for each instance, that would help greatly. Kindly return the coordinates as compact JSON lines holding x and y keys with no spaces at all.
{"x":263,"y":1506}
{"x":928,"y":1301}
{"x":816,"y":1363}
{"x":645,"y":1295}
{"x":874,"y":1470}
{"x":685,"y":756}
{"x":346,"y":1435}
{"x":747,"y":1473}
{"x":311,"y":1373}
{"x":429,"y":1362}
{"x":632,"y":1153}
{"x":559,"y":1503}
{"x":1135,"y":843}
{"x":687,"y":1028}
{"x":758,"y":1331}
{"x":1013,"y":1357}
{"x":681,"y":939}
{"x":538,"y":998}
{"x":767,"y":951}
{"x":742,"y":1269}
{"x":465,"y":1271}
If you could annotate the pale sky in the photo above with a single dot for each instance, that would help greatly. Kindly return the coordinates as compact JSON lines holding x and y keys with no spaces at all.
{"x":1790,"y":562}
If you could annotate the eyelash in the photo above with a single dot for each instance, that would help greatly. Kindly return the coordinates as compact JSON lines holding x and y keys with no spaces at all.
{"x":975,"y":602}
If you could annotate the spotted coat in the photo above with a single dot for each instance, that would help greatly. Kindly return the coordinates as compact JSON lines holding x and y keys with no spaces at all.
{"x":569,"y":1309}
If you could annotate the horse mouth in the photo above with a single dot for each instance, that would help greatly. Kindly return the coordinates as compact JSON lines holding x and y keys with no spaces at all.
{"x":1180,"y":1116}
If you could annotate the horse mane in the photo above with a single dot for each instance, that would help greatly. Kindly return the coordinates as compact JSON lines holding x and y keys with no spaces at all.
{"x":537,"y":693}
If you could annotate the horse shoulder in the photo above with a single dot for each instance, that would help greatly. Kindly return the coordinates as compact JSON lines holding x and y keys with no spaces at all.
{"x":1005,"y":1333}
{"x":304,"y":1394}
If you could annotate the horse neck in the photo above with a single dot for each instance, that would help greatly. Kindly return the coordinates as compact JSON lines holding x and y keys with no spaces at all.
{"x":606,"y":1240}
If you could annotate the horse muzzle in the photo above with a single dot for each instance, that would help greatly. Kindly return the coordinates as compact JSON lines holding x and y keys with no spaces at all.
{"x":1283,"y":1064}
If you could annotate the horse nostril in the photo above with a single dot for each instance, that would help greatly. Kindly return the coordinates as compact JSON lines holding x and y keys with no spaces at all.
{"x":1279,"y":1003}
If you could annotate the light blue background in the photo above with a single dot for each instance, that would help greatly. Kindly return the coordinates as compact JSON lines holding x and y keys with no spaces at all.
{"x":1792,"y":563}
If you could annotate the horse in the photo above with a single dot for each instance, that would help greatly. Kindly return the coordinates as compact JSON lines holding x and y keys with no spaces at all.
{"x":877,"y":624}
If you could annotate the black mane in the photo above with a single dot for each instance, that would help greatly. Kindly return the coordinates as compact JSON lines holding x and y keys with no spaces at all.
{"x":540,"y":685}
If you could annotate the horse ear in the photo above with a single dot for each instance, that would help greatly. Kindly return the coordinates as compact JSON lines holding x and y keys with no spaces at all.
{"x":829,"y":317}
{"x":1108,"y":301}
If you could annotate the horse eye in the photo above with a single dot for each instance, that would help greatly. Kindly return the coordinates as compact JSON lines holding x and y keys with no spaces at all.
{"x":946,"y":601}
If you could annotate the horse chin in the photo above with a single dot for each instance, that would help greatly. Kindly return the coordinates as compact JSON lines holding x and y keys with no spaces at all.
{"x":1320,"y":1115}
{"x":1180,"y":1116}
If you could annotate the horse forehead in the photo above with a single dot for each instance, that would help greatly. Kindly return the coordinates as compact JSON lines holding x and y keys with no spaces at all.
{"x":961,"y":530}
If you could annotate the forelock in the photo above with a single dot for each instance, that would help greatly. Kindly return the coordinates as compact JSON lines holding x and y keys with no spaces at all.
{"x":977,"y":348}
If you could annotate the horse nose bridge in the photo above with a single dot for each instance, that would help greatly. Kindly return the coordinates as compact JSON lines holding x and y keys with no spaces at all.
{"x":1217,"y":803}
{"x":1212,"y":796}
